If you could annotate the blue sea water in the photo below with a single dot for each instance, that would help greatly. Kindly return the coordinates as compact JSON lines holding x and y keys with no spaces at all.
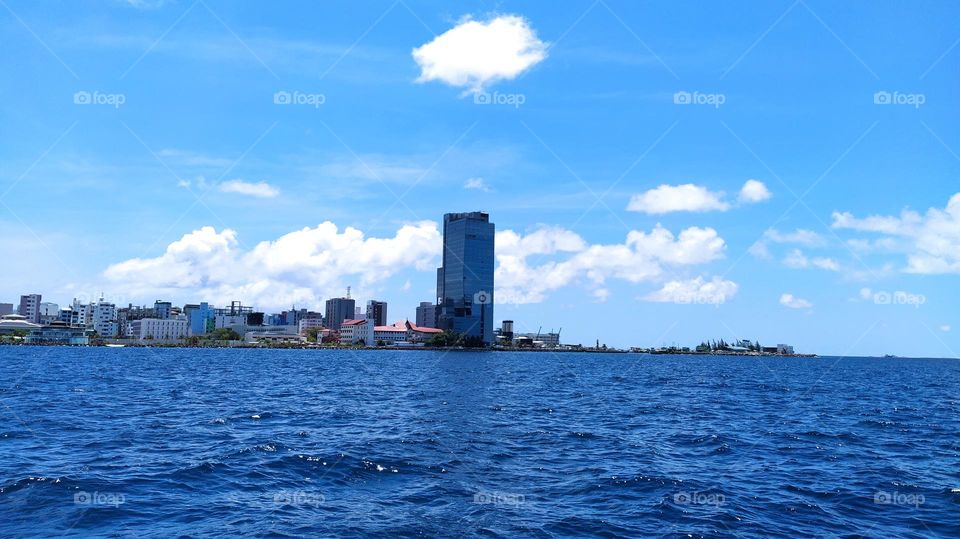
{"x":181,"y":442}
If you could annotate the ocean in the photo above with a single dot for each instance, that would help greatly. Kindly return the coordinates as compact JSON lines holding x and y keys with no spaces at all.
{"x":323,"y":443}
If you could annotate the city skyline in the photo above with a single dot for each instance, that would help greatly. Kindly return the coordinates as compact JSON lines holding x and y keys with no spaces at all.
{"x":773,"y":172}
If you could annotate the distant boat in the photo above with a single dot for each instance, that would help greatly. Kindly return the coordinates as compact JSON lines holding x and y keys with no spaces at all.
{"x":116,"y":345}
{"x":889,"y":355}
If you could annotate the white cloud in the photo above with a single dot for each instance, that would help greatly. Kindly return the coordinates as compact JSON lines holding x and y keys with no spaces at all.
{"x":754,"y":191}
{"x":300,"y":267}
{"x":797,"y":260}
{"x":601,"y":295}
{"x":789,"y":300}
{"x":800,"y":236}
{"x":930,"y":241}
{"x":866,"y":294}
{"x":474,"y":54}
{"x":240,"y":187}
{"x":477,"y":183}
{"x":694,"y":198}
{"x":642,"y":257}
{"x":695,"y":291}
{"x":672,"y":198}
{"x":945,"y":328}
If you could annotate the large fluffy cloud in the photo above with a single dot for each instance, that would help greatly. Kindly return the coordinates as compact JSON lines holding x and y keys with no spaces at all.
{"x":696,"y":291}
{"x":474,"y":54}
{"x":931,"y":241}
{"x":644,"y":256}
{"x":301,"y":267}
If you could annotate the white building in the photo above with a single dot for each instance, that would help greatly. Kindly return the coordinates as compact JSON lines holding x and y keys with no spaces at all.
{"x":155,"y":328}
{"x":49,"y":312}
{"x":104,"y":318}
{"x":403,"y":332}
{"x":356,"y":332}
{"x":307,"y":323}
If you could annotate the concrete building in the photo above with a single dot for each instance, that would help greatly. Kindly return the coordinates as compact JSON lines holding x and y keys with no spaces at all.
{"x":12,"y":323}
{"x":30,"y":307}
{"x":308,"y":323}
{"x":201,"y":318}
{"x":356,"y":332}
{"x":285,"y":334}
{"x":105,"y":319}
{"x":49,"y":312}
{"x":465,"y":280}
{"x":377,"y":311}
{"x":158,"y":328}
{"x":58,"y":333}
{"x":427,"y":315}
{"x":162,"y":309}
{"x":403,"y":333}
{"x":338,"y":310}
{"x":6,"y":308}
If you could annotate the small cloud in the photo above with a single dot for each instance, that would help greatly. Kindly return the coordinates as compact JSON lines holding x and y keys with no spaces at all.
{"x":474,"y":54}
{"x":945,"y":328}
{"x":601,"y":295}
{"x":477,"y":183}
{"x":406,"y":286}
{"x":797,"y":260}
{"x":789,"y":300}
{"x":240,"y":187}
{"x":200,"y":182}
{"x":673,"y":198}
{"x":866,"y":294}
{"x":754,"y":191}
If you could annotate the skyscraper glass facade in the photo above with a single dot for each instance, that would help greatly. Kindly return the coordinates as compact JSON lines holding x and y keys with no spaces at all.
{"x":465,"y":281}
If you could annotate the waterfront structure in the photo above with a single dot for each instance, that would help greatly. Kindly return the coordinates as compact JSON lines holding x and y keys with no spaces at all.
{"x":158,"y":328}
{"x":465,"y":280}
{"x":338,"y":310}
{"x":272,"y":334}
{"x":545,"y":340}
{"x":30,"y":307}
{"x":11,"y":323}
{"x":105,"y":319}
{"x":427,"y":315}
{"x":308,"y":323}
{"x":377,"y":311}
{"x":506,"y":330}
{"x":200,"y":317}
{"x":58,"y":333}
{"x":403,"y":333}
{"x":356,"y":332}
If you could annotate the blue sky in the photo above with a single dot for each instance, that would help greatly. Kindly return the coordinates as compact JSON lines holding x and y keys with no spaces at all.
{"x":620,"y":210}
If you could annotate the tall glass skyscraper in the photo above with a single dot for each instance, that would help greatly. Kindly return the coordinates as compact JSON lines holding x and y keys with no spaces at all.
{"x":465,"y":281}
